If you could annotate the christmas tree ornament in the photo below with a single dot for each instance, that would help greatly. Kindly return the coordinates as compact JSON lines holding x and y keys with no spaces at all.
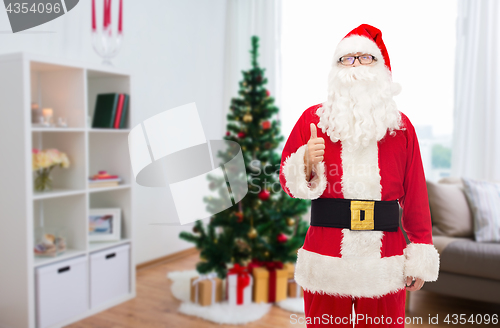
{"x":239,"y":216}
{"x":266,"y":125}
{"x":290,"y":221}
{"x":264,"y":194}
{"x":247,"y":118}
{"x":195,"y":230}
{"x":268,"y":93}
{"x":241,"y":135}
{"x":228,"y":133}
{"x":252,"y":234}
{"x":244,"y":83}
{"x":266,"y":254}
{"x":281,"y":238}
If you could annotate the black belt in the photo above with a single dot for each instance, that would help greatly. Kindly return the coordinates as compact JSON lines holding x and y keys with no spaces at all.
{"x":355,"y":214}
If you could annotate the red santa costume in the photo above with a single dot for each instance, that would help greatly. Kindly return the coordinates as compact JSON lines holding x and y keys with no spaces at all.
{"x":371,"y":153}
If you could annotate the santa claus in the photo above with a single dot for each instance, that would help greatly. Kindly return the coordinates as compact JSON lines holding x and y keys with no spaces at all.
{"x":356,"y":156}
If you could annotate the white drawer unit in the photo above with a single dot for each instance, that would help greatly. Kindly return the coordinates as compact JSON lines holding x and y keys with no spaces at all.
{"x":61,"y":291}
{"x":109,"y":274}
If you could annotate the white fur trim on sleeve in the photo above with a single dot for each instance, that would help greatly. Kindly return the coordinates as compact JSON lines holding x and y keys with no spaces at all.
{"x":422,"y":261}
{"x":296,"y":182}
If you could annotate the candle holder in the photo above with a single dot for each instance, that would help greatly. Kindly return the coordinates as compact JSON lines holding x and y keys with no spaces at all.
{"x":106,"y":44}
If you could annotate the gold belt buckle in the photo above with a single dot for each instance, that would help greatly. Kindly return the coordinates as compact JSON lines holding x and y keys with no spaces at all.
{"x":356,"y":207}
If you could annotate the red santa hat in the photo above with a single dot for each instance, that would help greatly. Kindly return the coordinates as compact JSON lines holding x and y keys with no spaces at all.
{"x":366,"y":39}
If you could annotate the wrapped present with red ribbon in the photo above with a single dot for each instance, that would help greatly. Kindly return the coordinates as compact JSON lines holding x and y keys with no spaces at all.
{"x":270,"y":281}
{"x":239,"y":285}
{"x":206,"y":289}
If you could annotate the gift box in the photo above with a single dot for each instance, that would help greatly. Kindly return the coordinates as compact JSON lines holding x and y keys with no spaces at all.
{"x":239,"y":286}
{"x":206,"y":289}
{"x":270,"y":281}
{"x":294,"y":289}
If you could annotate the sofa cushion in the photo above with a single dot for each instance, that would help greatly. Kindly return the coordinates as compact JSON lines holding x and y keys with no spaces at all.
{"x":484,"y":201}
{"x":468,"y":257}
{"x":450,"y":212}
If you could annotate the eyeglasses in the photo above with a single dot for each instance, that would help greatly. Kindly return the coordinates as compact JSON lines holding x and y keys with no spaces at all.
{"x":363,"y":59}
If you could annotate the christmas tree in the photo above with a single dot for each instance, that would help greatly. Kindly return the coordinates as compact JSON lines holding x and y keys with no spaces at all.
{"x":265,"y":225}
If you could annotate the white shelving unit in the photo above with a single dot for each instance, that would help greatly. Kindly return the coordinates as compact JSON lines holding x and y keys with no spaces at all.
{"x":70,"y":89}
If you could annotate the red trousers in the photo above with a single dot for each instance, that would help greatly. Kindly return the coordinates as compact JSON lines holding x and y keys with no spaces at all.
{"x":325,"y":310}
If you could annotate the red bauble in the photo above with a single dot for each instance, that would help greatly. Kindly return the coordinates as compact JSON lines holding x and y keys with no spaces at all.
{"x":228,"y":133}
{"x":264,"y":194}
{"x":239,"y":215}
{"x":241,"y":134}
{"x":268,"y":93}
{"x":281,"y":238}
{"x":266,"y":125}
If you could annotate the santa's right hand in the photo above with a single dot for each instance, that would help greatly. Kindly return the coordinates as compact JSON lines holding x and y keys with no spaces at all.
{"x":315,"y":148}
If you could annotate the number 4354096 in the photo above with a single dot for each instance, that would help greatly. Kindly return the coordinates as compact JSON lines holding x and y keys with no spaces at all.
{"x":473,"y":318}
{"x":41,"y":7}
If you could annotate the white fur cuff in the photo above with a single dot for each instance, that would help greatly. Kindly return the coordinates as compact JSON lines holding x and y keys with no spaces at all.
{"x":294,"y":171}
{"x":422,"y":261}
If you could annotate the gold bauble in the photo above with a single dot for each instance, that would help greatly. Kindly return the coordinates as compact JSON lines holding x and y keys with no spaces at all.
{"x":247,"y":118}
{"x":290,"y":221}
{"x":266,"y":253}
{"x":252,"y":233}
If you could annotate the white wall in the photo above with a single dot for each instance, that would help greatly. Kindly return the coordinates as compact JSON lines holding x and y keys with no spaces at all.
{"x":175,"y":52}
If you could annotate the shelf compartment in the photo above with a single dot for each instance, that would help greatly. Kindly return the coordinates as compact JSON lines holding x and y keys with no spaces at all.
{"x":116,"y":198}
{"x":104,"y":82}
{"x":109,"y":152}
{"x":69,"y":213}
{"x":73,"y":144}
{"x":60,"y":88}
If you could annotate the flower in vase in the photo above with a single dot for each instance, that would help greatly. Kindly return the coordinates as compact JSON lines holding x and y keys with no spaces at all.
{"x":43,"y":163}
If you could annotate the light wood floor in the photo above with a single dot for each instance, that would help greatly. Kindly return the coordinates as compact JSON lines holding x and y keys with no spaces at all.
{"x":155,"y":307}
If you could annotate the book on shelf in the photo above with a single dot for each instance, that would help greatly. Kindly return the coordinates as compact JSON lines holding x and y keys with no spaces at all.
{"x":103,"y":184}
{"x":103,"y":179}
{"x":123,"y":120}
{"x":110,"y":110}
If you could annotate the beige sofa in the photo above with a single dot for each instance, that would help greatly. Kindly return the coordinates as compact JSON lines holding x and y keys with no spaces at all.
{"x":468,"y":269}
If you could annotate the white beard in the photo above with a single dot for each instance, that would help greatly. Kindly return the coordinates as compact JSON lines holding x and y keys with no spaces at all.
{"x":360,"y":105}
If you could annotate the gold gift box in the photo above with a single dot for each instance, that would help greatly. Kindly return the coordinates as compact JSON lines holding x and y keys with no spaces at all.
{"x":205,"y":291}
{"x":261,"y":284}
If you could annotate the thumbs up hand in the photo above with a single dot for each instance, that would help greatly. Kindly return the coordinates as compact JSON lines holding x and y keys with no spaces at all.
{"x":315,"y":151}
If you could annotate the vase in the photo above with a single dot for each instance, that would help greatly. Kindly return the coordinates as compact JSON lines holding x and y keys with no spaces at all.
{"x":43,"y":181}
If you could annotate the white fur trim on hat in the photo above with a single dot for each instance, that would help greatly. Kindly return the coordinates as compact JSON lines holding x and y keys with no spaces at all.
{"x":355,"y":276}
{"x":422,"y":261}
{"x":358,"y":43}
{"x":293,"y":170}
